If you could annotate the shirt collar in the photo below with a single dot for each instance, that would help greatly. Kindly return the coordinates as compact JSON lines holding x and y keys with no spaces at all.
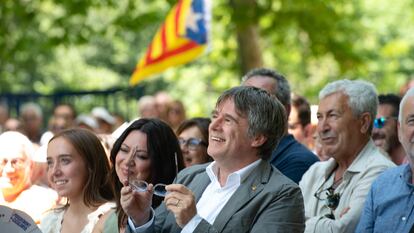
{"x":360,"y":163}
{"x":235,"y":178}
{"x":357,"y":165}
{"x":406,"y":175}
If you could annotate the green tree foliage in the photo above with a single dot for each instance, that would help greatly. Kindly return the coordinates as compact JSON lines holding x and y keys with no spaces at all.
{"x":49,"y":45}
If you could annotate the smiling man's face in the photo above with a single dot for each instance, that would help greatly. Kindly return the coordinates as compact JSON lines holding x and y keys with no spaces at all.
{"x":228,"y":137}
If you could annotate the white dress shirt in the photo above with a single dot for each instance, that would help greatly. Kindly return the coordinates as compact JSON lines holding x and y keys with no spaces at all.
{"x":215,"y":197}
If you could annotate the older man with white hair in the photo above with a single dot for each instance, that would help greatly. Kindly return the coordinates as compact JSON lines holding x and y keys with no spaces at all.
{"x":335,"y":190}
{"x":390,"y":202}
{"x":16,"y":166}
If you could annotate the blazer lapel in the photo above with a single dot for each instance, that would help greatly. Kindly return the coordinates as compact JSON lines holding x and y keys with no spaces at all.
{"x":199,"y":184}
{"x":249,"y":188}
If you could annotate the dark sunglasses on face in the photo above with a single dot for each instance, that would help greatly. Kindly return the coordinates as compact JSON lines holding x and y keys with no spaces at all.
{"x":380,"y":122}
{"x":192,"y":143}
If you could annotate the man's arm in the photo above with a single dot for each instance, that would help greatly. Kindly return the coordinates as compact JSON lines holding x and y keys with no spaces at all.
{"x":366,"y":222}
{"x":348,"y":221}
{"x":284,"y":214}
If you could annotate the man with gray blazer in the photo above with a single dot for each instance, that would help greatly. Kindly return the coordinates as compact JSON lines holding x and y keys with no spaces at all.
{"x":240,"y":191}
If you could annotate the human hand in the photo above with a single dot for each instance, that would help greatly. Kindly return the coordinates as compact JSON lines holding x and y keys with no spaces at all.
{"x":137,"y":205}
{"x":181,"y":202}
{"x":344,"y":211}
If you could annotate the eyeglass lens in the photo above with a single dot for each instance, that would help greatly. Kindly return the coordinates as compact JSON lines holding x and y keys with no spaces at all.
{"x":141,"y":186}
{"x":192,"y":143}
{"x":15,"y":163}
{"x":380,"y":122}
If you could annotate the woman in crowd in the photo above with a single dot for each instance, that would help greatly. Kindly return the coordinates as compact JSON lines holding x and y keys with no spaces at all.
{"x":147,"y":150}
{"x":78,"y":170}
{"x":193,"y":139}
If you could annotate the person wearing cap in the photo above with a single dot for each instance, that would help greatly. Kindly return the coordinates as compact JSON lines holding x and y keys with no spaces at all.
{"x":16,"y":166}
{"x":86,"y":122}
{"x":105,"y":120}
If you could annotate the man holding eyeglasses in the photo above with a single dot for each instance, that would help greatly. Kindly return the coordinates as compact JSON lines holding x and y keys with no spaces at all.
{"x":240,"y":191}
{"x":335,"y":190}
{"x":390,"y":202}
{"x":385,"y":133}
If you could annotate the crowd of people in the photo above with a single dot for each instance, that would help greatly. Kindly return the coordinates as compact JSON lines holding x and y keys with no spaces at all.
{"x":257,"y":164}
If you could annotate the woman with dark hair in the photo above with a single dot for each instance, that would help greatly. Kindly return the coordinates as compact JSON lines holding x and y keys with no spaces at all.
{"x":147,"y":150}
{"x":78,"y":169}
{"x":193,"y":139}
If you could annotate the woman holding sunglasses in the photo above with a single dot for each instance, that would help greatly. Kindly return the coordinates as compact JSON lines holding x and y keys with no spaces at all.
{"x":147,"y":152}
{"x":193,"y":139}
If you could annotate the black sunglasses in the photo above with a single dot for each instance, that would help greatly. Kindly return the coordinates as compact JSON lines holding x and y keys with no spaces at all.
{"x":329,"y":196}
{"x":331,"y":199}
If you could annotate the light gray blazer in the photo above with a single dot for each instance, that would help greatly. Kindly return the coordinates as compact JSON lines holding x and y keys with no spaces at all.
{"x":266,"y":201}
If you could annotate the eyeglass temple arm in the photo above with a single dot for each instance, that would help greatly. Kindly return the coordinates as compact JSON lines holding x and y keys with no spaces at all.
{"x":131,"y":157}
{"x":176,"y":163}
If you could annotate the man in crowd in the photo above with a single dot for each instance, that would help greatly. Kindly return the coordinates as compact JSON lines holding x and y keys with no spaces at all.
{"x":290,"y":157}
{"x":4,"y":116}
{"x":64,"y":116}
{"x":389,"y":205}
{"x":385,"y":133}
{"x":335,"y":190}
{"x":31,"y":117}
{"x":104,"y":119}
{"x":240,"y":191}
{"x":16,"y":166}
{"x":299,"y":122}
{"x":147,"y":107}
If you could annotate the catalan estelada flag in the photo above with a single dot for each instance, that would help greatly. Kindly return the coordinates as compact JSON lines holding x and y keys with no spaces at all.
{"x":182,"y":38}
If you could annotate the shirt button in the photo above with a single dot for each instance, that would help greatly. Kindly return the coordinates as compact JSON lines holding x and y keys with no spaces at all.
{"x":403,"y":218}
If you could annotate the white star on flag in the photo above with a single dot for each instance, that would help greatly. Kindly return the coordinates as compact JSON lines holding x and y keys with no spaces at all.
{"x":192,"y":19}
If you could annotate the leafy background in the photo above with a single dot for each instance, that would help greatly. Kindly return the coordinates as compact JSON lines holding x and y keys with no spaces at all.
{"x":49,"y":46}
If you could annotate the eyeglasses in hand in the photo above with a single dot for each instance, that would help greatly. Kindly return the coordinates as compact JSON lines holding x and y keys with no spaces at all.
{"x":192,"y":143}
{"x":140,"y":185}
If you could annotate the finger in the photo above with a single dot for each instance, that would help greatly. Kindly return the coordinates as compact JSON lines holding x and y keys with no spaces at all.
{"x":125,"y":190}
{"x":177,"y":188}
{"x":125,"y":182}
{"x":171,"y":201}
{"x":344,"y":211}
{"x":150,"y":188}
{"x":179,"y":196}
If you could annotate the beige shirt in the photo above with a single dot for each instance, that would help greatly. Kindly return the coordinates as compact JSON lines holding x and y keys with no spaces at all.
{"x":35,"y":201}
{"x":353,"y":189}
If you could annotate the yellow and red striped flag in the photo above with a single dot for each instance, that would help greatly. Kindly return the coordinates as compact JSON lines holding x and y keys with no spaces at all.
{"x":182,"y":38}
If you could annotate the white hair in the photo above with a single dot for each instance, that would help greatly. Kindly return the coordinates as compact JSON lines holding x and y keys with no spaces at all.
{"x":409,"y":93}
{"x":13,"y":142}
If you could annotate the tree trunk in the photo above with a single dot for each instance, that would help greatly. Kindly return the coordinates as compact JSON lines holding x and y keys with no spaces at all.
{"x":250,"y":55}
